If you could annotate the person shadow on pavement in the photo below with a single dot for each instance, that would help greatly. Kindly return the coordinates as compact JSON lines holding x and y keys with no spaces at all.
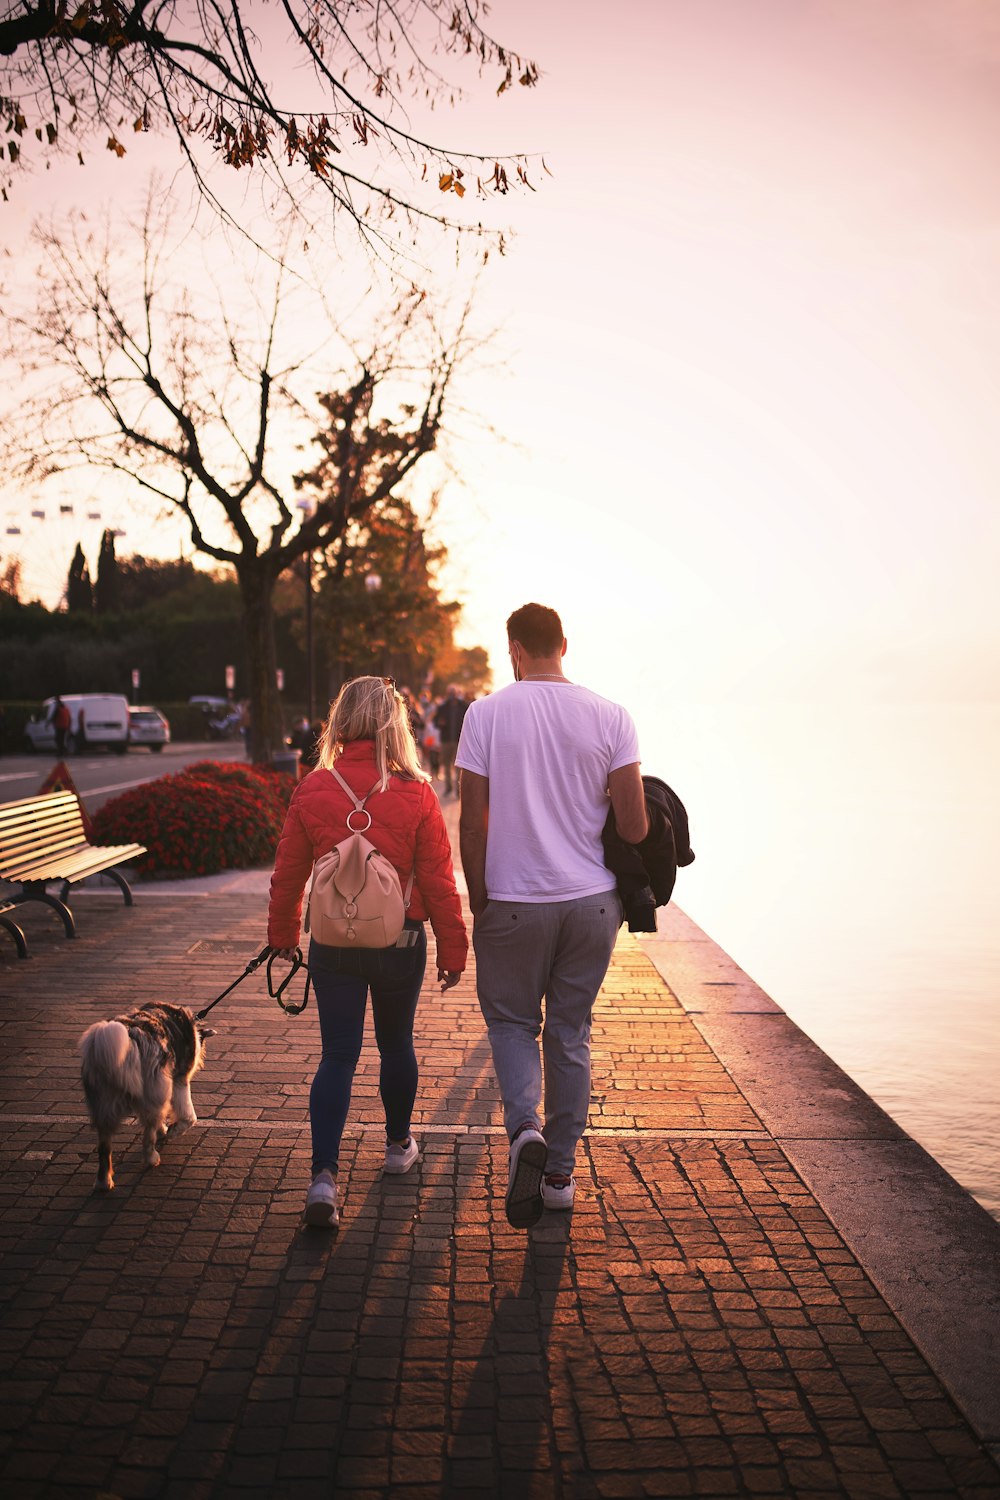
{"x":509,"y":1404}
{"x":360,"y":1357}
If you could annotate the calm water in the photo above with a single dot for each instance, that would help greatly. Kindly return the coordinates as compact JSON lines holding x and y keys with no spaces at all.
{"x":849,"y":860}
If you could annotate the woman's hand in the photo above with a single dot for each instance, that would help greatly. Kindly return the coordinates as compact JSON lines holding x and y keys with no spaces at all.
{"x":286,"y":953}
{"x":448,"y":978}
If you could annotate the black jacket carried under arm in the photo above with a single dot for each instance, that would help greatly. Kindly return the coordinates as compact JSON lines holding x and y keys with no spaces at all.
{"x":645,"y":872}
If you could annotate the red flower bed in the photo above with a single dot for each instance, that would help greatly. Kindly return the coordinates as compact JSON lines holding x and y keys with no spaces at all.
{"x":261,"y":780}
{"x":212,"y":816}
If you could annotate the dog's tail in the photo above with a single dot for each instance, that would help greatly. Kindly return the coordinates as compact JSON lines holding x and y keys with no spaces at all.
{"x":111,"y":1066}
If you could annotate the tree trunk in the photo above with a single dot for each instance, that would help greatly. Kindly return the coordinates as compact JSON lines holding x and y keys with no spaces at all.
{"x":266,"y":724}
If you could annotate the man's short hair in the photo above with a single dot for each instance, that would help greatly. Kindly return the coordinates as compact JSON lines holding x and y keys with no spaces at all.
{"x":537,"y":628}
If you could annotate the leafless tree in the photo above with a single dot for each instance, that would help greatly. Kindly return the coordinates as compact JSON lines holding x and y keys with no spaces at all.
{"x":81,"y":73}
{"x":145,"y":383}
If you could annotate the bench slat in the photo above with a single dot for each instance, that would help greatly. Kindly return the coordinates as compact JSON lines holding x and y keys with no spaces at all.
{"x":26,"y":827}
{"x":45,"y":817}
{"x":88,"y":853}
{"x":32,"y":804}
{"x":39,"y":827}
{"x":48,"y":821}
{"x":24,"y":850}
{"x":53,"y":804}
{"x":88,"y":859}
{"x":47,"y":799}
{"x":92,"y":867}
{"x":37,"y":858}
{"x":29,"y":859}
{"x":59,"y":859}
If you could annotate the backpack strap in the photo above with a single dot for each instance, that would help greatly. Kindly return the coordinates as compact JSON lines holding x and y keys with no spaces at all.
{"x":359,"y":807}
{"x":359,"y":803}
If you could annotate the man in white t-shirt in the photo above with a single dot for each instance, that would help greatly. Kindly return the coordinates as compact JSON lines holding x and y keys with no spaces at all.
{"x":539,"y":761}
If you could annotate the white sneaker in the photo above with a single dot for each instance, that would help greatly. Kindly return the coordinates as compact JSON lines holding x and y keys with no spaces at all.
{"x":527,"y":1163}
{"x":321,"y":1202}
{"x":399,"y":1159}
{"x":558,"y":1191}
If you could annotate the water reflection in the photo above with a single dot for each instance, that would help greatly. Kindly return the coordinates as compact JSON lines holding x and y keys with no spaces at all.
{"x":847,"y":859}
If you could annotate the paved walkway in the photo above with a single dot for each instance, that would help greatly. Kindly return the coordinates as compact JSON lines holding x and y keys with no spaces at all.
{"x":697,"y":1326}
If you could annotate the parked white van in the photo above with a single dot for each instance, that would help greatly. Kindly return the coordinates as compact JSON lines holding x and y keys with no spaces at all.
{"x":104,"y":722}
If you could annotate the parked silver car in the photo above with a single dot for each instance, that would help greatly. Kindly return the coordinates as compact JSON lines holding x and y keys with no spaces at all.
{"x":147,"y":726}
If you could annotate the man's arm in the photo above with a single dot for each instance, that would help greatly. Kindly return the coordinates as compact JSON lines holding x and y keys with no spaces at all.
{"x":629,"y":803}
{"x":475,"y":793}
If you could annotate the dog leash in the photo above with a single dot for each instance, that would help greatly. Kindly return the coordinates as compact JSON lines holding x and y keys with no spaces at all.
{"x":267,"y":955}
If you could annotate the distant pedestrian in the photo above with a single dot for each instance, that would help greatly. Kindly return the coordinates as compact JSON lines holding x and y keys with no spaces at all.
{"x":413,"y":713}
{"x":310,"y":755}
{"x":62,"y":722}
{"x":368,"y":741}
{"x":448,"y":722}
{"x":539,"y":761}
{"x":431,"y":747}
{"x":300,"y":735}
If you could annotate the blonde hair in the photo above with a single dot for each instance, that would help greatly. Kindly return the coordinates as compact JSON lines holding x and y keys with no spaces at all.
{"x":370,"y":708}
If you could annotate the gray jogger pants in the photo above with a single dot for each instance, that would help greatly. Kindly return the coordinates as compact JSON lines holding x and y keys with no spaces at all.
{"x":559,"y":951}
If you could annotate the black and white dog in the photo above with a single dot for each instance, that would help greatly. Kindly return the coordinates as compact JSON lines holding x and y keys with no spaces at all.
{"x":141,"y":1064}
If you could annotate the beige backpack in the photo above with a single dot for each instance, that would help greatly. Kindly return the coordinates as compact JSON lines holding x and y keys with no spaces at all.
{"x":356,"y":900}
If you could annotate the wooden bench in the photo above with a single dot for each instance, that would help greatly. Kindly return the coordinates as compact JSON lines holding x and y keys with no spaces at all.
{"x":42,"y":840}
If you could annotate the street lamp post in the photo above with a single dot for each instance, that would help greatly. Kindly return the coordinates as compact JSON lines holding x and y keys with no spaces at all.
{"x":309,"y":636}
{"x":307,"y":508}
{"x":373,"y":583}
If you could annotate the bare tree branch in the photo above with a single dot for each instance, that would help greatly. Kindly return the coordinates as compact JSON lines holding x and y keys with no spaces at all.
{"x":71,"y":73}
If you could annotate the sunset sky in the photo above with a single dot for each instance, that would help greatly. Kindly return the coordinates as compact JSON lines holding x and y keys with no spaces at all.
{"x":751,"y":324}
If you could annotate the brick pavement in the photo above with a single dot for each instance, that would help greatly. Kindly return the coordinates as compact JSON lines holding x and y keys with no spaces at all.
{"x":696,"y":1327}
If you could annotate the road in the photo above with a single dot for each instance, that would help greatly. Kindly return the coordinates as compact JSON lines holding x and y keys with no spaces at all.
{"x":102,"y":775}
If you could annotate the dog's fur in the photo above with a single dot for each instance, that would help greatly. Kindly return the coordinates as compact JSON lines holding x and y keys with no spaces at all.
{"x":141,"y":1064}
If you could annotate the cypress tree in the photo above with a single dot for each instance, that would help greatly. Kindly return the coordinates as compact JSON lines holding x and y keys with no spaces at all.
{"x":106,"y":594}
{"x":79,"y":593}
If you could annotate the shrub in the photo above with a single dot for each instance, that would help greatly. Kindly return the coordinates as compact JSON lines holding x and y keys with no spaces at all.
{"x":207,"y":818}
{"x":15,"y":716}
{"x":260,"y":780}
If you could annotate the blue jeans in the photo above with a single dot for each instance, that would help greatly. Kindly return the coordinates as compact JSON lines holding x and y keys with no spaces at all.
{"x":342,"y":978}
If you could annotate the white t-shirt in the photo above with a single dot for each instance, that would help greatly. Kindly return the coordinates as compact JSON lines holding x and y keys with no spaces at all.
{"x":547,"y":748}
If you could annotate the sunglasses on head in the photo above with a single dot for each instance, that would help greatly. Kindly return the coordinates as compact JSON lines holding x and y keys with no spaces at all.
{"x":389,"y":681}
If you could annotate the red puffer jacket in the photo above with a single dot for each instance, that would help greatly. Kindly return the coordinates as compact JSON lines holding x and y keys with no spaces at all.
{"x":407,"y":827}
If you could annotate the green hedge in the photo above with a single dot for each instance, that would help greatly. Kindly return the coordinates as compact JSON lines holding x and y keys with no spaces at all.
{"x":15,"y":716}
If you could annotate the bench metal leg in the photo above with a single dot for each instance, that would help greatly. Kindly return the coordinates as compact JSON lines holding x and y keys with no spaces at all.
{"x":120,"y":880}
{"x":18,"y":936}
{"x":40,"y":894}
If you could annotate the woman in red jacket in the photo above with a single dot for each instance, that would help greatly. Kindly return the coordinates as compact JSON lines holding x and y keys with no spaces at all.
{"x":368,"y":738}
